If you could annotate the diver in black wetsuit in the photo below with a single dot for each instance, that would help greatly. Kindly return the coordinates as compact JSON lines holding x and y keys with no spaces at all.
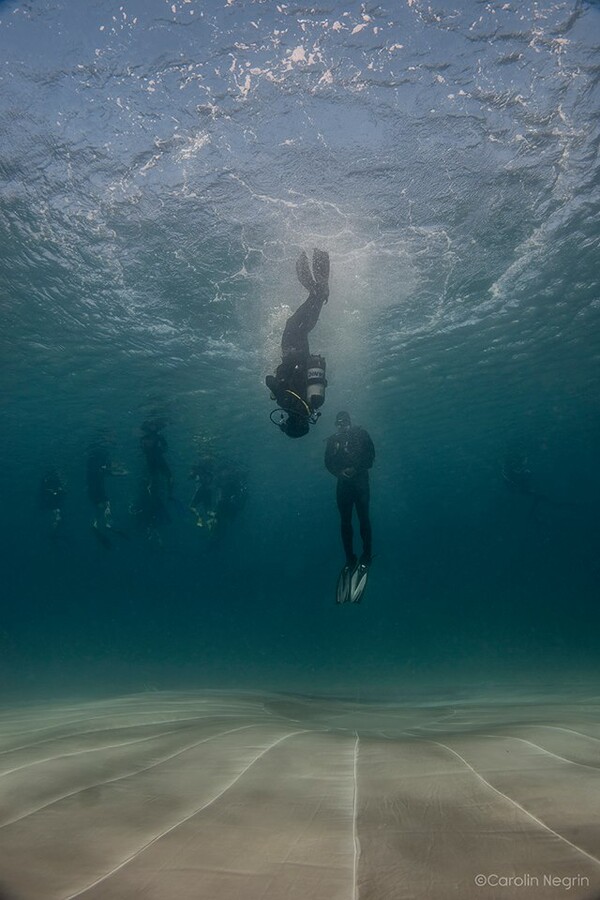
{"x":154,"y":446}
{"x":349,"y":455}
{"x":220,"y":492}
{"x":98,"y":468}
{"x":150,"y":508}
{"x":203,"y":503}
{"x":150,"y":511}
{"x":51,"y":495}
{"x":298,"y":385}
{"x":233,"y":490}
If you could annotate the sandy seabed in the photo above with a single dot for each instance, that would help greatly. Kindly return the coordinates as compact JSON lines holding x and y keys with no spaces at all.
{"x":226,"y":795}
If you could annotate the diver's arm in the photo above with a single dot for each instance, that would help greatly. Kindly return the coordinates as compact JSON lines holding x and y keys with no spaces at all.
{"x":368,"y":450}
{"x":271,"y":383}
{"x":332,"y":463}
{"x":363,"y":450}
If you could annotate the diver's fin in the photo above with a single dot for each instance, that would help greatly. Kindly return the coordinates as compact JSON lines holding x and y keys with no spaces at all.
{"x":304,"y":274}
{"x":342,"y":591}
{"x":358,"y":582}
{"x":320,"y":264}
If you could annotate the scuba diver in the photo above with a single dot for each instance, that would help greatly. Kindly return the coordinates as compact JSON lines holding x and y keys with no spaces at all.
{"x":51,"y":495}
{"x":150,"y":508}
{"x":154,"y":446}
{"x":220,"y":492}
{"x":349,"y":455}
{"x":299,"y":383}
{"x":99,"y":467}
{"x":150,"y":511}
{"x":204,"y":502}
{"x":233,"y":487}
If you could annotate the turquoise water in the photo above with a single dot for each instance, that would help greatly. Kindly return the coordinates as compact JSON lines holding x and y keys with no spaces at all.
{"x":162,"y":166}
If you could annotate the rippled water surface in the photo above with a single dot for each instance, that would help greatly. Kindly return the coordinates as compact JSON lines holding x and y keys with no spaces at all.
{"x":162,"y":164}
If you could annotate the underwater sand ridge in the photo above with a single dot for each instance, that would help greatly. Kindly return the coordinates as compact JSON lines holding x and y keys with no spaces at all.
{"x":220,"y":794}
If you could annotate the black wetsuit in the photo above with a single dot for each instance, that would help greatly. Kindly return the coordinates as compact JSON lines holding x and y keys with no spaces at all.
{"x":289,"y":384}
{"x":220,"y":488}
{"x":154,"y":446}
{"x":203,"y":474}
{"x":352,"y":448}
{"x":233,"y":491}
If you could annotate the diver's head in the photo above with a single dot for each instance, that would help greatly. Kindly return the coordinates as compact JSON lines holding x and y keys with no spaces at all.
{"x":295,"y":426}
{"x":342,"y":420}
{"x":153,"y":424}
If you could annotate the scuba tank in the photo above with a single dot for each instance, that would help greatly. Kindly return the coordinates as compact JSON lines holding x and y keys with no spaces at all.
{"x":316,"y":381}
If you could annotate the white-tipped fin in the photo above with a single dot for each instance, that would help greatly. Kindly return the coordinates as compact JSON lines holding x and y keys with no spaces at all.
{"x":342,"y":592}
{"x":358,"y":582}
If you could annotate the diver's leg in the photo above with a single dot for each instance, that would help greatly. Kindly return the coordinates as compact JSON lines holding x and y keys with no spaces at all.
{"x":361,"y":499}
{"x":167,"y":475}
{"x":161,"y":478}
{"x":301,"y":323}
{"x":345,"y":504}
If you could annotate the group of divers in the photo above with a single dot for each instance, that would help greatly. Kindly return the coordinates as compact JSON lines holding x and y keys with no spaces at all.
{"x":220,"y":485}
{"x":220,"y":488}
